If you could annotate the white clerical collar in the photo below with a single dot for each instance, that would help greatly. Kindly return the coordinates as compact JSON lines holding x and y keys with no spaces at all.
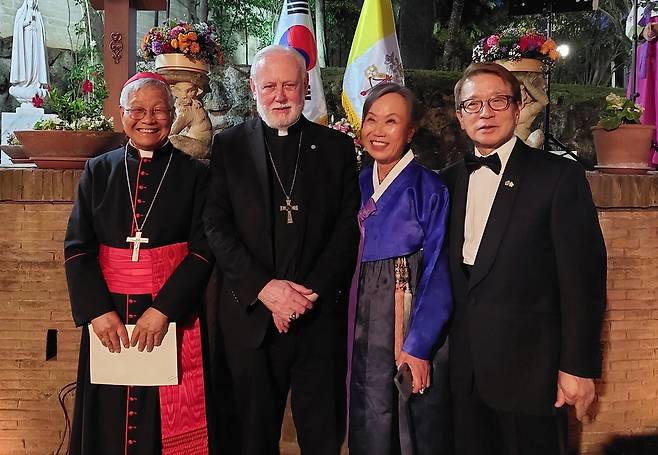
{"x":145,"y":153}
{"x":283,"y":131}
{"x":504,"y":152}
{"x":380,"y":188}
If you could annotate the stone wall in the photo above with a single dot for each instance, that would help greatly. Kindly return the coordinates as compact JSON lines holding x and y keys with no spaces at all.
{"x":55,"y":15}
{"x":58,"y":14}
{"x":34,"y":207}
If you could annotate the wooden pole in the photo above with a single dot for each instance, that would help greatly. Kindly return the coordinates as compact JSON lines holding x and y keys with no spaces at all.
{"x":120,"y":46}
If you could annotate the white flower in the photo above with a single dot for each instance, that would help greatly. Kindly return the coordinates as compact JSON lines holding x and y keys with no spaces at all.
{"x":615,"y":101}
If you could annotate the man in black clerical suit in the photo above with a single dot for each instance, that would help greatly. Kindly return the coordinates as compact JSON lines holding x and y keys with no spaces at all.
{"x":528,"y":268}
{"x":281,"y":220}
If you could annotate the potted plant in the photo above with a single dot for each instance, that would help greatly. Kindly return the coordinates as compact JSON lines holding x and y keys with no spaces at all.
{"x":76,"y":129}
{"x":518,"y":50}
{"x":180,"y":45}
{"x":622,"y":144}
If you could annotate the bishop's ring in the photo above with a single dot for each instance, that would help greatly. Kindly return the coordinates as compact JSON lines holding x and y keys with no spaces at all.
{"x":293,"y":316}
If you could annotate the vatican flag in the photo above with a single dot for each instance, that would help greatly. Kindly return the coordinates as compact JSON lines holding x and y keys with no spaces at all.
{"x":295,"y":29}
{"x":374,"y":57}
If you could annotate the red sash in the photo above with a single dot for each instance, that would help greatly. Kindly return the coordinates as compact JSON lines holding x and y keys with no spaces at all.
{"x":183,"y":406}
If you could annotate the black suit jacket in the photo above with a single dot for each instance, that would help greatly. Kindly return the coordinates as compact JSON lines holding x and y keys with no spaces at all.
{"x":238,"y":218}
{"x":536,"y":296}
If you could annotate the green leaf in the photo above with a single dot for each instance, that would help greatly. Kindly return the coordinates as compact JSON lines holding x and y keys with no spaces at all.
{"x":610,"y":123}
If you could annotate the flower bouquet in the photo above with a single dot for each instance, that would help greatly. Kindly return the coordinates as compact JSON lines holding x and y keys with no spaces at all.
{"x":344,"y":126}
{"x":514,"y":44}
{"x":197,"y":42}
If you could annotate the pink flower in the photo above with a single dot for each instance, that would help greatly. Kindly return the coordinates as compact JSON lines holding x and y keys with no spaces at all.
{"x":493,"y":41}
{"x":87,"y":86}
{"x":37,"y":101}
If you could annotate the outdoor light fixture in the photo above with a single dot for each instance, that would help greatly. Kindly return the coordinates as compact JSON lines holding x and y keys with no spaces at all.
{"x":563,"y":50}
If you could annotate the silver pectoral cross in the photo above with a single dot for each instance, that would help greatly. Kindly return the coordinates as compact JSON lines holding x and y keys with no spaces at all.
{"x":289,"y":208}
{"x":137,"y":240}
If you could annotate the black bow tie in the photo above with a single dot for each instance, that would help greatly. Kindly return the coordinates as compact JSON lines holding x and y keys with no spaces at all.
{"x":473,"y":163}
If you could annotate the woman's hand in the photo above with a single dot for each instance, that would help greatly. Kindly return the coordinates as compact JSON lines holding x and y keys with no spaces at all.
{"x":649,"y":32}
{"x":420,"y":371}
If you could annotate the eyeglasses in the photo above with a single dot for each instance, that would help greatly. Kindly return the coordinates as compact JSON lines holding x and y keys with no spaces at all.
{"x":497,"y":103}
{"x":138,"y":113}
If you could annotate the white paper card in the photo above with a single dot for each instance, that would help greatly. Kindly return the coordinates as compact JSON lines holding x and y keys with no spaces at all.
{"x":131,"y":367}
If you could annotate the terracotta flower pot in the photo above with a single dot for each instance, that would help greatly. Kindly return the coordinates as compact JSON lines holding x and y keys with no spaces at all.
{"x":14,"y":151}
{"x":64,"y":149}
{"x":625,"y":150}
{"x":180,"y":62}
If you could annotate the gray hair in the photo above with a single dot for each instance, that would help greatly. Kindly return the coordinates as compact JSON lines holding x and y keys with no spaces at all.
{"x":384,"y":88}
{"x":272,"y":49}
{"x":134,"y":86}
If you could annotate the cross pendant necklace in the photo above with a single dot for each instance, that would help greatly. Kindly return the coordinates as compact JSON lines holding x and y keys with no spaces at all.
{"x":288,"y":207}
{"x":137,"y":239}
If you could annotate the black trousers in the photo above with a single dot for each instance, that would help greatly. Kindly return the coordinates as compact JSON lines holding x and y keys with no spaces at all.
{"x":482,"y":430}
{"x":310,"y":362}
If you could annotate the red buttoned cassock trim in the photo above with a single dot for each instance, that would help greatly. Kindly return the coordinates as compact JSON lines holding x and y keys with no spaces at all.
{"x":182,"y":407}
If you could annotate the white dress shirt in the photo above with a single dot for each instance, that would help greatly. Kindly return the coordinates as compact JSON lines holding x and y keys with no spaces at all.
{"x":482,"y":188}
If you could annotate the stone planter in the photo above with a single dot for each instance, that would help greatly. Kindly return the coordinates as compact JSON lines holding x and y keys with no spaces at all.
{"x":531,"y":65}
{"x":625,"y":150}
{"x":62,"y":149}
{"x":180,"y":62}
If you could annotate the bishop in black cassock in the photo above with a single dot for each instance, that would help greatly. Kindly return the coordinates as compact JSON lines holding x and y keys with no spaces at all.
{"x":151,"y":190}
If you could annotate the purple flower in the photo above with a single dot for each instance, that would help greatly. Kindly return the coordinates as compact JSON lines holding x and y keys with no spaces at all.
{"x":156,"y":47}
{"x":175,"y":31}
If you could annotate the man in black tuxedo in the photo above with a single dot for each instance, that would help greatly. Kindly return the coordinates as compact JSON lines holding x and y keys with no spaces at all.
{"x":528,"y":268}
{"x":281,"y":220}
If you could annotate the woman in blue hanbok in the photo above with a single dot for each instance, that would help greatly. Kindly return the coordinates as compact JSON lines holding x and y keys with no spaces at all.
{"x":400,"y":301}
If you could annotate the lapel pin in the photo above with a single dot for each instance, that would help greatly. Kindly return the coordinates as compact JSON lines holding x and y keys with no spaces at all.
{"x":509,"y":183}
{"x":312,"y":146}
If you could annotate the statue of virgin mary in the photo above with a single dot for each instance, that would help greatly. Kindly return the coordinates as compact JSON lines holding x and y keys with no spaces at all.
{"x":29,"y":61}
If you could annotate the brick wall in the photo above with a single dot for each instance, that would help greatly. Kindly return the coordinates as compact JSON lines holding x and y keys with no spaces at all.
{"x":34,"y":207}
{"x":628,"y":392}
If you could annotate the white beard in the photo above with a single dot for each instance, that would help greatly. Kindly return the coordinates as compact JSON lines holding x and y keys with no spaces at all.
{"x":279,"y":123}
